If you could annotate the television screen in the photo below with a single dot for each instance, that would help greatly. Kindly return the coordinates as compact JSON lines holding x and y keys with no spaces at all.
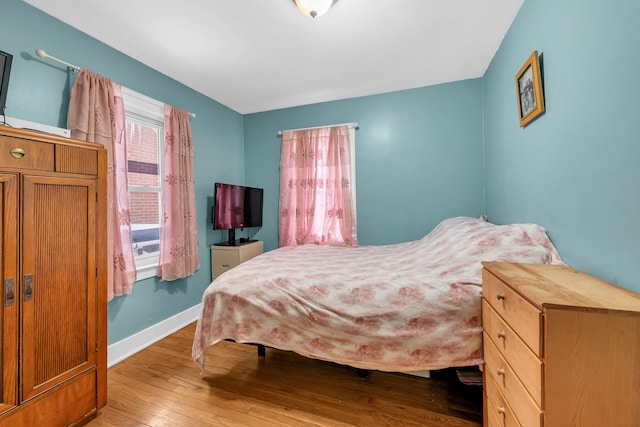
{"x":5,"y":69}
{"x":236,"y":206}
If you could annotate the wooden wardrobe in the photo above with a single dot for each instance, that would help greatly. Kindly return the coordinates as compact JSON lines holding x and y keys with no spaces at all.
{"x":53,"y":275}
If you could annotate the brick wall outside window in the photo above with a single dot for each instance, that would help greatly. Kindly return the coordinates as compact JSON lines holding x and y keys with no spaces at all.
{"x":142,"y":156}
{"x":144,"y":208}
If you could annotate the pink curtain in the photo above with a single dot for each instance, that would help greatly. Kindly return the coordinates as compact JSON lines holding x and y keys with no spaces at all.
{"x":178,"y":235}
{"x":316,"y":202}
{"x":96,"y":114}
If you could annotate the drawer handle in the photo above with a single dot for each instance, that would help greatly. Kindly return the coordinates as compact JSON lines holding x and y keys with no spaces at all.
{"x":502,"y":335}
{"x":500,"y":296}
{"x":501,"y":410}
{"x":500,"y":371}
{"x":18,"y":153}
{"x":225,"y":265}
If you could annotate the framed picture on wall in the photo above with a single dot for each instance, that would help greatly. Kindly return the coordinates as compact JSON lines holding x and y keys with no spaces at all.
{"x":529,"y":90}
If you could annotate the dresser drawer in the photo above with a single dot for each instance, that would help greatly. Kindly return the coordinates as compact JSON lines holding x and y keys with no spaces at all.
{"x":17,"y":153}
{"x":524,"y":363}
{"x":499,"y":414}
{"x":76,"y":160}
{"x":523,"y":317}
{"x":512,"y":379}
{"x":224,"y":260}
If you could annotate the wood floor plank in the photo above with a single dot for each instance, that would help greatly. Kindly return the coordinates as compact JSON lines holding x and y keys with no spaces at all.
{"x":161,"y":386}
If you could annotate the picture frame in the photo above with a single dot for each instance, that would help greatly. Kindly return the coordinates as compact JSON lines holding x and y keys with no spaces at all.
{"x":529,"y":90}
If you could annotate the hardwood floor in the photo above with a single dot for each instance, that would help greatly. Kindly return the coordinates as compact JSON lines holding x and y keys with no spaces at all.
{"x":161,"y":386}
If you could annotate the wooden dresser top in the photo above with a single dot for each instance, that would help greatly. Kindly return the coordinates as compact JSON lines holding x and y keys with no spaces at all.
{"x":11,"y":132}
{"x":562,"y":286}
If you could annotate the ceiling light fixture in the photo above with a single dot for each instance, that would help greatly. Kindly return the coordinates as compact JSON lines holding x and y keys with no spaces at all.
{"x":314,"y":8}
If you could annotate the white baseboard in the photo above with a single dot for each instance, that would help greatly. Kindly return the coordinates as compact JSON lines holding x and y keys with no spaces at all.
{"x":120,"y":350}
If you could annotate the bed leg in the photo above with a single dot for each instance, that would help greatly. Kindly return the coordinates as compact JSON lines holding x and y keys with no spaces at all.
{"x":363,"y":373}
{"x":261,"y":350}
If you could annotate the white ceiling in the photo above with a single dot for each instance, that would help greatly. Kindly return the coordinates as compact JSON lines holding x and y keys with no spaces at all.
{"x":260,"y":55}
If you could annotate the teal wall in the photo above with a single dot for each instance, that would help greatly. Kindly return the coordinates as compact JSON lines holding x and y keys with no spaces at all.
{"x":418,"y":157}
{"x":575,"y":170}
{"x":39,"y":92}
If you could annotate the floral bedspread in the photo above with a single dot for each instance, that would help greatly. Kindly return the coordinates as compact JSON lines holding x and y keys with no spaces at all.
{"x":402,"y":307}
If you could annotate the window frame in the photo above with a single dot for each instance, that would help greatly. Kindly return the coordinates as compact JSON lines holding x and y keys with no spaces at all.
{"x":150,"y":112}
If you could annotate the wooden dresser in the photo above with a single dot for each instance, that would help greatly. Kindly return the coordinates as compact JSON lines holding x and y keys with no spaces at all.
{"x":561,"y":348}
{"x":53,"y":276}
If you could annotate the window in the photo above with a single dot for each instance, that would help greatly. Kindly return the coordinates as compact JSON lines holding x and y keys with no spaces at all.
{"x":145,"y":149}
{"x":317,"y":187}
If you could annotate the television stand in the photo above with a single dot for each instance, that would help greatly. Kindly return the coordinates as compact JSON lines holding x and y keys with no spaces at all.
{"x":225,"y":256}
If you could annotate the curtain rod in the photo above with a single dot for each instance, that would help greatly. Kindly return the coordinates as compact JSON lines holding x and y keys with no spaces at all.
{"x":42,"y":54}
{"x":353,"y":125}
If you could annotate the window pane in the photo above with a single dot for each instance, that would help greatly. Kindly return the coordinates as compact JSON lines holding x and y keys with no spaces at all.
{"x":142,"y":153}
{"x":145,"y":222}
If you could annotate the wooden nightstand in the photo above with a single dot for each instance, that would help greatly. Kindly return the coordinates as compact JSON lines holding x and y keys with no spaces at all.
{"x":225,"y":257}
{"x":561,"y":348}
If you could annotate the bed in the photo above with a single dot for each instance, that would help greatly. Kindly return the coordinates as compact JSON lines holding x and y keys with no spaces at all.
{"x":404,"y":307}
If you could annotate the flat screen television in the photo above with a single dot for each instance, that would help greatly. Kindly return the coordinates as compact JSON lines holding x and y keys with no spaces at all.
{"x":5,"y":70}
{"x":236,"y":206}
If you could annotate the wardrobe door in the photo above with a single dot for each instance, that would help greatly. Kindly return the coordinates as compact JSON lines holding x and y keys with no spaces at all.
{"x":58,"y":281}
{"x":9,"y":277}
